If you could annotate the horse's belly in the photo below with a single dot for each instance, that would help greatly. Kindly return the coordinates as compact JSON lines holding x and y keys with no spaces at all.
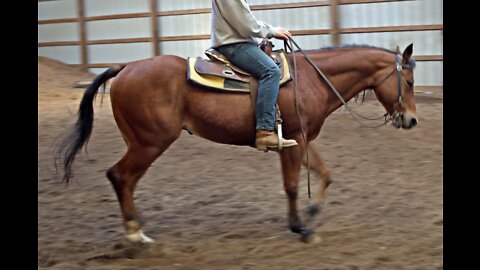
{"x":222,"y":118}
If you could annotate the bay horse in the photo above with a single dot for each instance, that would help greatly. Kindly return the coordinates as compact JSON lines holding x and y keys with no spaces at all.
{"x":152,"y":103}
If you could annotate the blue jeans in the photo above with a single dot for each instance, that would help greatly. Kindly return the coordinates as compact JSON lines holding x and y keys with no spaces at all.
{"x":249,"y":57}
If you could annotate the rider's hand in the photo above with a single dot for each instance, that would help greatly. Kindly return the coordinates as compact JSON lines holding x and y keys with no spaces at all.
{"x":282,"y":33}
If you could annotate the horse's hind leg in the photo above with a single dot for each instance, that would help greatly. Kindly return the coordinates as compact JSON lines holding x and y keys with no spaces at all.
{"x":321,"y":170}
{"x":291,"y":161}
{"x":124,"y":176}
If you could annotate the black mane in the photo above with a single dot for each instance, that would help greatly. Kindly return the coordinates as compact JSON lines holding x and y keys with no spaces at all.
{"x":359,"y":46}
{"x":354,"y":46}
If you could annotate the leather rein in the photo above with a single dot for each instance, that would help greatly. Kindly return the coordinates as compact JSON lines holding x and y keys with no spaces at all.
{"x":398,"y":68}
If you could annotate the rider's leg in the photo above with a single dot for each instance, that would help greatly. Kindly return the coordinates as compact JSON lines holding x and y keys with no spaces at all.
{"x":252,"y":59}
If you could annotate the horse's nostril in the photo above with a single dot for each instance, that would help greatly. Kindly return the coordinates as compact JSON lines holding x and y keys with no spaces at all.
{"x":414,"y":122}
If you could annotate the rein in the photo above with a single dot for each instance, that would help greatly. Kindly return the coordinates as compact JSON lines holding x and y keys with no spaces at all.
{"x":295,"y":87}
{"x":398,"y":68}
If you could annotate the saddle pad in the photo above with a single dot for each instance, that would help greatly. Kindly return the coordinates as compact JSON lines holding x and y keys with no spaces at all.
{"x":221,"y":76}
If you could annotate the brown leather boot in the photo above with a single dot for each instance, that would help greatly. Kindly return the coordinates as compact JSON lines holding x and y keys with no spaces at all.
{"x":268,"y":140}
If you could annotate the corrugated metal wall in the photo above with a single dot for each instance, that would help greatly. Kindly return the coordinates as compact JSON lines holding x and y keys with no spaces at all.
{"x":396,"y":14}
{"x":59,"y":32}
{"x":422,"y":12}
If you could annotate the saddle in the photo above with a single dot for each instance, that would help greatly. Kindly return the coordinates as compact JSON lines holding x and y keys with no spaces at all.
{"x":218,"y":73}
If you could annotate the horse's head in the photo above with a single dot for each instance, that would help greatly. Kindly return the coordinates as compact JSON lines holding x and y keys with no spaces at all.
{"x":394,"y":89}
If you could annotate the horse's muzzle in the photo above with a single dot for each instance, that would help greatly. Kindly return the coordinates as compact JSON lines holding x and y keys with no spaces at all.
{"x":404,"y":120}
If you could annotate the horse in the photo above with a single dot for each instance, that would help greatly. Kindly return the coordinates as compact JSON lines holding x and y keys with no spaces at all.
{"x":152,"y":102}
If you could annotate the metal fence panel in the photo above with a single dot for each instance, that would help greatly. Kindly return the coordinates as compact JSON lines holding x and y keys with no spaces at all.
{"x":113,"y":53}
{"x":180,"y":25}
{"x":429,"y":73}
{"x":391,"y":13}
{"x":58,"y":32}
{"x":66,"y":54}
{"x":181,"y":5}
{"x":185,"y":48}
{"x":115,"y":29}
{"x":109,"y":7}
{"x":57,"y":9}
{"x":297,"y":18}
{"x":397,"y":13}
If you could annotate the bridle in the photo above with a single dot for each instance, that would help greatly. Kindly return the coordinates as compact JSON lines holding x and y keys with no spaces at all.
{"x":398,"y":68}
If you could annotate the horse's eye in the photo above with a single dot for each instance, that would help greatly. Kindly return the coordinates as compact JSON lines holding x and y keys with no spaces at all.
{"x":410,"y":84}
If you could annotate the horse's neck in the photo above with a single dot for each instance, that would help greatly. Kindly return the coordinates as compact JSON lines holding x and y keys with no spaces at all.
{"x":349,"y":70}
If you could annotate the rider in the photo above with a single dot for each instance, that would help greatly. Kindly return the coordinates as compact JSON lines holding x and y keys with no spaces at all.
{"x":233,"y":33}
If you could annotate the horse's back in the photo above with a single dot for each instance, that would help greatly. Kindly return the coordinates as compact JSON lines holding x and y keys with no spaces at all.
{"x":153,"y":70}
{"x":147,"y":78}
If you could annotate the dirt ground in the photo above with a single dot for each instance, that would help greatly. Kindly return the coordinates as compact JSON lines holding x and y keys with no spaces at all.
{"x":212,"y":206}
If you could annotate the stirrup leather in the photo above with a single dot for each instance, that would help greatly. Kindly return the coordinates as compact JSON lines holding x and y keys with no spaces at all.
{"x":279,"y":128}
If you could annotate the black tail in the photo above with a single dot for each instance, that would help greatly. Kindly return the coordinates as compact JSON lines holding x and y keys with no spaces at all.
{"x":74,"y":140}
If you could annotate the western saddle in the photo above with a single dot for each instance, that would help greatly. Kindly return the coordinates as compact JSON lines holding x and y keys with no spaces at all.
{"x":217,"y":73}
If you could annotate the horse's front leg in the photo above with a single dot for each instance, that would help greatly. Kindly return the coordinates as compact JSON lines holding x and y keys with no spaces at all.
{"x":291,"y":161}
{"x":318,"y":166}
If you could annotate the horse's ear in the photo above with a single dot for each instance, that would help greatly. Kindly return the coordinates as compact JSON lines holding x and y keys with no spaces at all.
{"x":407,"y":53}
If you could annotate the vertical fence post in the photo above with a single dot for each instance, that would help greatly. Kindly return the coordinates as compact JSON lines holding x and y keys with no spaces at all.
{"x":334,"y":21}
{"x":154,"y":22}
{"x":83,"y":33}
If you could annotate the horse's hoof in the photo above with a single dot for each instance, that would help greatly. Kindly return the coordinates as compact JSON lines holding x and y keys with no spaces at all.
{"x":296,"y":229}
{"x":309,"y":237}
{"x":139,"y":237}
{"x":295,"y":225}
{"x":311,"y":212}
